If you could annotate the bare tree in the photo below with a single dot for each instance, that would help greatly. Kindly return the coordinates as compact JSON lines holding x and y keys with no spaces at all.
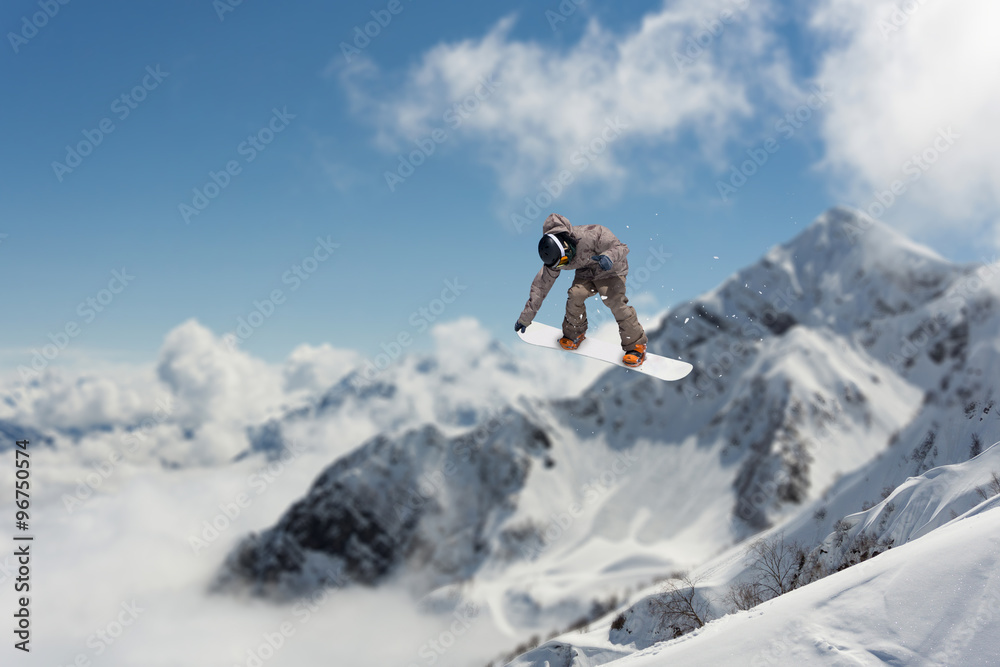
{"x":992,"y":488}
{"x":681,"y":609}
{"x":744,"y":595}
{"x":775,"y":566}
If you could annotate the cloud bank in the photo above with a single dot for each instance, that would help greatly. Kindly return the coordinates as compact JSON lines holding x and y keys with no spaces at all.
{"x":915,"y":102}
{"x":689,"y":69}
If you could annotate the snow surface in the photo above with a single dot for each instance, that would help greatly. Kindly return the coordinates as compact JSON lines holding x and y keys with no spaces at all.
{"x":934,"y":601}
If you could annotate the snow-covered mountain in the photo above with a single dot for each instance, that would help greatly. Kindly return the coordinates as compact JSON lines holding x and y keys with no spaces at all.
{"x":825,"y":375}
{"x":431,"y":500}
{"x":934,"y":600}
{"x":937,"y":332}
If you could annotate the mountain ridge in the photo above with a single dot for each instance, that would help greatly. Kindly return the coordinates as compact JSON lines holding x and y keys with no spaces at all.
{"x":782,"y":402}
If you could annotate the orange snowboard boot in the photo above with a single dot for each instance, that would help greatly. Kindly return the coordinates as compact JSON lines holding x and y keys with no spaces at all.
{"x":571,"y":343}
{"x":634,"y":358}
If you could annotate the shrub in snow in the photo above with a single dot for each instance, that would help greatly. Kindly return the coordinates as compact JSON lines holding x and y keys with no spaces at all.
{"x":774,"y":567}
{"x":862,"y":547}
{"x":680,"y":609}
{"x":991,"y":489}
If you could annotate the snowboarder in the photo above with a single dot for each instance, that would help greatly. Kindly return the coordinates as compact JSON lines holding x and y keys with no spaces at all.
{"x":599,"y":260}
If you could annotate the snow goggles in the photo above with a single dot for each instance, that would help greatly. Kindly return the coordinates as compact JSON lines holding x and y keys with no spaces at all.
{"x":568,"y":251}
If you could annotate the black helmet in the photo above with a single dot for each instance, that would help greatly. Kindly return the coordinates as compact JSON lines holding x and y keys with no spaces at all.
{"x":556,"y":250}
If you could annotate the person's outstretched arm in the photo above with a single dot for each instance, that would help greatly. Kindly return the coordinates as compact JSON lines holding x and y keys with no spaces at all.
{"x":540,"y":287}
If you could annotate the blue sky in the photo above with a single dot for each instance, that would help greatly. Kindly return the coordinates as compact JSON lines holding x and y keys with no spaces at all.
{"x":308,"y":133}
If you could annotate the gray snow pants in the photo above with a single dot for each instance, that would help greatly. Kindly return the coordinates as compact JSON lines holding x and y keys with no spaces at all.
{"x":612,"y":291}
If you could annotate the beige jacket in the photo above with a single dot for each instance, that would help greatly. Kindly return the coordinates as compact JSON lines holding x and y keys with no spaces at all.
{"x":590,"y":240}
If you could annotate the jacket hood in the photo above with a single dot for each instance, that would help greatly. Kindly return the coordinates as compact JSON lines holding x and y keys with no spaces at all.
{"x":555,"y":223}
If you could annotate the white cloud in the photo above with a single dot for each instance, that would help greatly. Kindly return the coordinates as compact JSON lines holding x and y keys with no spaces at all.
{"x":195,"y":405}
{"x":898,"y":78}
{"x":191,"y":408}
{"x":457,"y":342}
{"x":465,"y":348}
{"x":315,"y":368}
{"x":214,"y":382}
{"x":551,"y":101}
{"x":147,"y":517}
{"x":87,"y":402}
{"x":82,"y":398}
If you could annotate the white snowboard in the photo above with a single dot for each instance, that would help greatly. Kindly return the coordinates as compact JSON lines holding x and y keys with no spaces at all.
{"x":655,"y":365}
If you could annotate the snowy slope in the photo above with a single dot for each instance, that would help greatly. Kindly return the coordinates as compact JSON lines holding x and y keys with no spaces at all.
{"x":934,"y":601}
{"x":915,"y":508}
{"x":848,"y":621}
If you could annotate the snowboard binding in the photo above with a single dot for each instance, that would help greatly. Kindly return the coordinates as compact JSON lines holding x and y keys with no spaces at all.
{"x":571,"y":343}
{"x":634,"y":358}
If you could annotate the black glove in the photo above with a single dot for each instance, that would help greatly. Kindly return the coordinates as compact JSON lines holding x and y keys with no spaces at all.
{"x":520,"y":327}
{"x":604,"y":261}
